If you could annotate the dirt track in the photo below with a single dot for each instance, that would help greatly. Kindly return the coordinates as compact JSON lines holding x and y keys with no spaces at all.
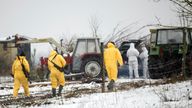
{"x":40,"y":99}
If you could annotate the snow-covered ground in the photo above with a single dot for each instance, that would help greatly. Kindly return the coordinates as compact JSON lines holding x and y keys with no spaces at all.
{"x":178,"y":95}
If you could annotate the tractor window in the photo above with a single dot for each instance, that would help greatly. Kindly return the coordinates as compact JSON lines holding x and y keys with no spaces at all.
{"x":153,"y":37}
{"x":170,"y":37}
{"x":81,"y":48}
{"x":91,"y":46}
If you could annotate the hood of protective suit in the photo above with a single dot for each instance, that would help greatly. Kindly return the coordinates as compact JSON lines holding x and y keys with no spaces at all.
{"x":144,"y":49}
{"x":110,"y":45}
{"x":144,"y":53}
{"x":132,"y":46}
{"x":53,"y":52}
{"x":20,"y":57}
{"x":132,"y":53}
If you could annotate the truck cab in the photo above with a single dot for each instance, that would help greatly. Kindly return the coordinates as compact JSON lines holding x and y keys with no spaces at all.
{"x":168,"y":48}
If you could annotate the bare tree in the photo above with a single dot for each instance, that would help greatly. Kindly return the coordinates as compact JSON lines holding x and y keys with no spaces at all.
{"x":94,"y":24}
{"x":124,"y":33}
{"x":68,"y":43}
{"x":118,"y":31}
{"x":184,"y":10}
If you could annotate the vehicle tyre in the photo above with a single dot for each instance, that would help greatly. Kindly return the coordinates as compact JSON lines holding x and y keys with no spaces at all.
{"x":91,"y":67}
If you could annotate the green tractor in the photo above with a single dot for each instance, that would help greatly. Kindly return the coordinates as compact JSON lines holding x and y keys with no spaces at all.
{"x":170,"y":52}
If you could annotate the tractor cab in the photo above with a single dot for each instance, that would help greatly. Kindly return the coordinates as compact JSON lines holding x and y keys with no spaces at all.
{"x":86,"y":57}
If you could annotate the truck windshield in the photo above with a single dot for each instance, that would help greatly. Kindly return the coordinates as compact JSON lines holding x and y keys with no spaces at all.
{"x":170,"y":37}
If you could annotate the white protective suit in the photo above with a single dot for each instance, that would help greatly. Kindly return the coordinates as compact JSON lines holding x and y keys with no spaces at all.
{"x":144,"y":58}
{"x":132,"y":55}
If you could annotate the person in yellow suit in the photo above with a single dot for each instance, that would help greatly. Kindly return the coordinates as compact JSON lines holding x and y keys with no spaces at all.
{"x":19,"y":76}
{"x":56,"y":76}
{"x":112,"y":59}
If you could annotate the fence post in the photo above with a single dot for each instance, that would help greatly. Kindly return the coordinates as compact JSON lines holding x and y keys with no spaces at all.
{"x":102,"y":68}
{"x":184,"y":54}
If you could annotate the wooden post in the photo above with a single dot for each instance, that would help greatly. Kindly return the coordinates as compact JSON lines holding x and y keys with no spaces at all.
{"x":184,"y":54}
{"x":102,"y":68}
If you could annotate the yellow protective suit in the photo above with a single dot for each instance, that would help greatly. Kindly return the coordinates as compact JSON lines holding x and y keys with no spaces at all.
{"x":19,"y":76}
{"x":112,"y":57}
{"x":57,"y":78}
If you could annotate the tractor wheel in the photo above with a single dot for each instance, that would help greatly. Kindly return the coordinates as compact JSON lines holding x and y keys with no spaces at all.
{"x":91,"y":67}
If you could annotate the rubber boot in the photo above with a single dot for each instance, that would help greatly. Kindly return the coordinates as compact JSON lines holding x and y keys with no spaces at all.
{"x":110,"y":85}
{"x":60,"y":89}
{"x":53,"y":92}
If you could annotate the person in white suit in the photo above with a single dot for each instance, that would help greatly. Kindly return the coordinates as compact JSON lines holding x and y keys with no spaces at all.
{"x":132,"y":55}
{"x":144,"y":59}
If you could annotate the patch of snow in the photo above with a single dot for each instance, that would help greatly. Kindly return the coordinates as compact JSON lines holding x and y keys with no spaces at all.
{"x":178,"y":95}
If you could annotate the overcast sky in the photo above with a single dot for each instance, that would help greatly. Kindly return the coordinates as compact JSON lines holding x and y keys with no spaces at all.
{"x":44,"y":18}
{"x":55,"y":18}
